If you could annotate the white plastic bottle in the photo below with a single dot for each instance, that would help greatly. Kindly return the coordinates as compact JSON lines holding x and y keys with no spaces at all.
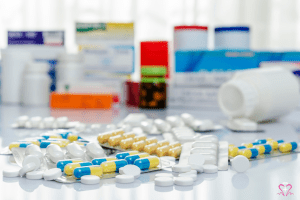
{"x":259,"y":94}
{"x":36,"y":82}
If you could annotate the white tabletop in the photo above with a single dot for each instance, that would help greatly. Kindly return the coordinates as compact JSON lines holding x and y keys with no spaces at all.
{"x":261,"y":181}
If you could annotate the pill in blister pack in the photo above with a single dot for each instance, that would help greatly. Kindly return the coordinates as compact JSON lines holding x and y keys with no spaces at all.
{"x":99,"y":161}
{"x":115,"y":140}
{"x":287,"y":147}
{"x":113,"y":166}
{"x":138,"y":146}
{"x":151,"y":140}
{"x":131,"y":159}
{"x":19,"y":144}
{"x":147,"y":163}
{"x":163,"y":151}
{"x":139,"y":138}
{"x":90,"y":170}
{"x":69,"y":168}
{"x":52,"y":136}
{"x":151,"y":148}
{"x":175,"y":152}
{"x":61,"y":164}
{"x":45,"y":144}
{"x":124,"y":154}
{"x":248,"y":153}
{"x":127,"y":143}
{"x":163,"y":143}
{"x":129,"y":135}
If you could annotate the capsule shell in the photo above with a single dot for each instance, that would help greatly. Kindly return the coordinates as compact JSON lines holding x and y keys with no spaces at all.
{"x":127,"y":143}
{"x":138,"y":146}
{"x":147,"y":163}
{"x":262,"y":141}
{"x":175,"y":152}
{"x":62,"y":163}
{"x":247,"y":145}
{"x":163,"y":143}
{"x":44,"y":144}
{"x":113,"y":166}
{"x":36,"y":142}
{"x":118,"y":132}
{"x":139,"y":138}
{"x":280,"y":141}
{"x":63,"y":141}
{"x":82,"y":144}
{"x":124,"y":154}
{"x":99,"y":161}
{"x":130,"y":159}
{"x":151,"y":141}
{"x":90,"y":170}
{"x":73,"y":138}
{"x":163,"y":151}
{"x":103,"y":137}
{"x":69,"y":168}
{"x":287,"y":147}
{"x":274,"y":144}
{"x":129,"y":135}
{"x":64,"y":135}
{"x":233,"y":151}
{"x":115,"y":140}
{"x":151,"y":148}
{"x":19,"y":144}
{"x":242,"y":147}
{"x":175,"y":144}
{"x":248,"y":153}
{"x":51,"y":136}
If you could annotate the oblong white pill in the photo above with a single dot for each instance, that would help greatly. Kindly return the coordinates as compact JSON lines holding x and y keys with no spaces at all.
{"x":181,"y":168}
{"x":55,"y":153}
{"x":35,"y":121}
{"x":203,"y":150}
{"x":90,"y":179}
{"x":183,"y":181}
{"x":32,"y":159}
{"x":34,"y":150}
{"x":205,"y":144}
{"x":208,"y":139}
{"x":187,"y":118}
{"x":173,"y":120}
{"x":210,"y":169}
{"x":75,"y":151}
{"x":27,"y":168}
{"x":163,"y":181}
{"x":196,"y":159}
{"x":240,"y":163}
{"x":184,"y":139}
{"x":124,"y":179}
{"x":164,"y":175}
{"x":131,"y":170}
{"x":170,"y":158}
{"x":193,"y":176}
{"x":11,"y":172}
{"x":35,"y":175}
{"x":52,"y":174}
{"x":197,"y":168}
{"x":94,"y":150}
{"x":208,"y":136}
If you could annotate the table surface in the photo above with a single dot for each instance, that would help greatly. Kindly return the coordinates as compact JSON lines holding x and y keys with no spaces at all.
{"x":261,"y":181}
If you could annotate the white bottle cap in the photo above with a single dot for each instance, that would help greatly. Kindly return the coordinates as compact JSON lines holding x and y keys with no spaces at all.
{"x":52,"y":174}
{"x":124,"y":179}
{"x":90,"y":180}
{"x":35,"y":175}
{"x":163,"y":181}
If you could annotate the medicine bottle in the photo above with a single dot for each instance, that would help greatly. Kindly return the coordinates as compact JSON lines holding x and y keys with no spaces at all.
{"x":259,"y":94}
{"x":36,"y":84}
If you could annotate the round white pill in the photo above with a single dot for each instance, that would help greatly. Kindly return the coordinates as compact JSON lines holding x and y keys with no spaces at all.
{"x":22,"y":120}
{"x":193,"y":171}
{"x":131,"y":170}
{"x":240,"y":163}
{"x":210,"y":159}
{"x":124,"y":179}
{"x":193,"y":176}
{"x":163,"y":181}
{"x":34,"y":150}
{"x":121,"y":170}
{"x":52,"y":174}
{"x":210,"y":169}
{"x":55,"y":153}
{"x":11,"y":172}
{"x":32,"y":159}
{"x":27,"y":168}
{"x":197,"y":168}
{"x":183,"y":181}
{"x":75,"y":151}
{"x":181,"y":168}
{"x":90,"y":180}
{"x":196,"y":159}
{"x":164,"y":175}
{"x":34,"y":175}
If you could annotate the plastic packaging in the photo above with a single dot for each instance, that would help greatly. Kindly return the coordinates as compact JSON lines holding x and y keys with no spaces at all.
{"x":259,"y":94}
{"x":36,"y":84}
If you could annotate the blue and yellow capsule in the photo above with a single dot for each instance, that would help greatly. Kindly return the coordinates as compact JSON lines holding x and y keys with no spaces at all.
{"x":232,"y":151}
{"x":263,"y":148}
{"x":147,"y":163}
{"x":64,"y":135}
{"x":69,"y":168}
{"x":62,"y":163}
{"x":242,"y":147}
{"x":262,"y":141}
{"x":287,"y":147}
{"x":99,"y":161}
{"x":19,"y":144}
{"x":124,"y":154}
{"x":95,"y":170}
{"x":65,"y":142}
{"x":131,"y":159}
{"x":73,"y":137}
{"x":113,"y":166}
{"x":248,"y":153}
{"x":45,"y":144}
{"x":36,"y":142}
{"x":51,"y":136}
